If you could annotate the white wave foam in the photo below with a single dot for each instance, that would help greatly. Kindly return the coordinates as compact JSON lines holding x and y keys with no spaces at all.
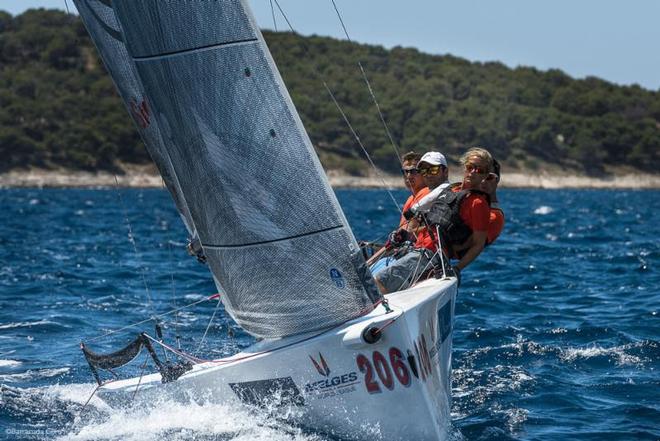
{"x":9,"y":363}
{"x":543,"y":210}
{"x":472,"y":388}
{"x":558,"y":331}
{"x":33,"y":374}
{"x":515,"y":417}
{"x":617,"y":353}
{"x":25,"y":324}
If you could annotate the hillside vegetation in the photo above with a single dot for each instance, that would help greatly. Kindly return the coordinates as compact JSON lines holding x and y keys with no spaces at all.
{"x":59,"y":108}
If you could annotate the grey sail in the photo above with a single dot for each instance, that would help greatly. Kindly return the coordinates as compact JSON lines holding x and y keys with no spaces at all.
{"x":105,"y":31}
{"x":240,"y":165}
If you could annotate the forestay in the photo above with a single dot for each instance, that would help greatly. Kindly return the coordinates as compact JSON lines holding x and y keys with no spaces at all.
{"x":217,"y":119}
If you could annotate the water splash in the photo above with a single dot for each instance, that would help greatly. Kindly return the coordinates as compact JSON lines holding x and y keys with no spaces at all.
{"x":58,"y":412}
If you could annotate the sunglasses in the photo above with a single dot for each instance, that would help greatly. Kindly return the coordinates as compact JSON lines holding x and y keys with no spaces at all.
{"x":409,"y":171}
{"x":435,"y":170}
{"x":471,"y":168}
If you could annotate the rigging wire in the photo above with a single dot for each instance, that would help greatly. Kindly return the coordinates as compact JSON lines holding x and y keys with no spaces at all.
{"x":272,"y":11}
{"x":131,"y":239}
{"x":439,"y":252}
{"x":133,"y":325}
{"x":195,"y":359}
{"x":368,"y":84}
{"x":359,"y":141}
{"x":343,"y":114}
{"x":206,"y":331}
{"x":144,"y":366}
{"x":98,"y":386}
{"x":442,"y":259}
{"x":177,"y":337}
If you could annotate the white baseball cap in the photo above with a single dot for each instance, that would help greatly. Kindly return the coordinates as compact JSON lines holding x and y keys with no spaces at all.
{"x":433,"y":158}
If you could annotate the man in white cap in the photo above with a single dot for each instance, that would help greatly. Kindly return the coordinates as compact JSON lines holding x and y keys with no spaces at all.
{"x":433,"y":168}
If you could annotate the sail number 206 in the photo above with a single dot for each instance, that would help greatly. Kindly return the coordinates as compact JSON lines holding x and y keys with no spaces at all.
{"x":382,"y":371}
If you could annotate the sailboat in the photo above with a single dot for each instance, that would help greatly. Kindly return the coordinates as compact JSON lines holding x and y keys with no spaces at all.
{"x":205,"y":94}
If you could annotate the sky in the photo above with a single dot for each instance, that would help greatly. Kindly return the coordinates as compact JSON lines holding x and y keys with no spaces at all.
{"x":612,"y":39}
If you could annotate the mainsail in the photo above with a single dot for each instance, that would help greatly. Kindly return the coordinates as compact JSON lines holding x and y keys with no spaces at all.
{"x":220,"y":125}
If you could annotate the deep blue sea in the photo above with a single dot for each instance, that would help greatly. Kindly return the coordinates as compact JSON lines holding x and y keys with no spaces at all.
{"x":556,"y":337}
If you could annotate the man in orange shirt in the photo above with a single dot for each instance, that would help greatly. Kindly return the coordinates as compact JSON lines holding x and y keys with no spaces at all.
{"x":418,"y":189}
{"x":414,"y":182}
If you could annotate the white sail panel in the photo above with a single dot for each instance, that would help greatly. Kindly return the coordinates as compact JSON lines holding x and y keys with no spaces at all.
{"x":274,"y":235}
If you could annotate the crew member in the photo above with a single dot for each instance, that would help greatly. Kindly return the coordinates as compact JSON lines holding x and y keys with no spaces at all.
{"x":418,"y":189}
{"x":496,"y":215}
{"x":433,"y":167}
{"x":457,"y":214}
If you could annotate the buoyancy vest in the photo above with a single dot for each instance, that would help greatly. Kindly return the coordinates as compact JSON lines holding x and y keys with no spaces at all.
{"x":445,"y":214}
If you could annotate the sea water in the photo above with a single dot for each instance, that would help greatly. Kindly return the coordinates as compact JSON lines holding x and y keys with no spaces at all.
{"x":556,"y":335}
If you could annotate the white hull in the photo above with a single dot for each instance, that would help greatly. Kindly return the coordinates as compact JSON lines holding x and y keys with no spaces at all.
{"x":395,"y":389}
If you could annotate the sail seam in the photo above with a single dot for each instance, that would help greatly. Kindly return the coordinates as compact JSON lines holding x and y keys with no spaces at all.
{"x":195,"y":49}
{"x":264,"y":242}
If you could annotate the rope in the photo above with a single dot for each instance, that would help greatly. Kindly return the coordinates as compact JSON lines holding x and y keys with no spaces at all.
{"x":343,"y":114}
{"x":388,"y":324}
{"x":371,"y":91}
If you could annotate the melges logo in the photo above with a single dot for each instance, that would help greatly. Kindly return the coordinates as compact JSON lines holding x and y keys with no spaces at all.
{"x":321,"y":366}
{"x":141,"y":112}
{"x":330,"y":385}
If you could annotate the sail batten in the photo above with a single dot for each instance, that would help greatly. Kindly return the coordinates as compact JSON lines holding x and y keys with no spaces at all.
{"x":196,"y":49}
{"x":222,"y":128}
{"x":256,"y":244}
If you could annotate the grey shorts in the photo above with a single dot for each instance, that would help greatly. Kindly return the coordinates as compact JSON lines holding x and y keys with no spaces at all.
{"x":405,"y":270}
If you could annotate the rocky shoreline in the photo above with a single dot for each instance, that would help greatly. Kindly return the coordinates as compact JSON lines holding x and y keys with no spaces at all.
{"x":145,"y":177}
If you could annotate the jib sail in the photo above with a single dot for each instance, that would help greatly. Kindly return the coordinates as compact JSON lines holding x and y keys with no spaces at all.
{"x":218,"y":121}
